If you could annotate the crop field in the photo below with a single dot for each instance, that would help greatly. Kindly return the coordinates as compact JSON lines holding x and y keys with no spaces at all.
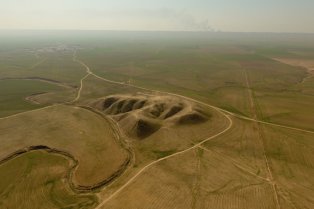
{"x":14,"y":93}
{"x":96,"y":120}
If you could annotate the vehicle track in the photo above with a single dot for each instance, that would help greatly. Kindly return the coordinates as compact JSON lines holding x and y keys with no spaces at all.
{"x":202,"y":103}
{"x":178,"y":95}
{"x":29,"y":111}
{"x":38,"y":63}
{"x":225,"y":113}
{"x":54,"y":105}
{"x":261,"y":138}
{"x":74,"y":58}
{"x":165,"y":158}
{"x":237,"y":164}
{"x":222,"y":111}
{"x":74,"y":165}
{"x":45,"y":80}
{"x":80,"y":89}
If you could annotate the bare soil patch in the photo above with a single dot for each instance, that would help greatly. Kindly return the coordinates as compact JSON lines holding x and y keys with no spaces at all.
{"x":142,"y":115}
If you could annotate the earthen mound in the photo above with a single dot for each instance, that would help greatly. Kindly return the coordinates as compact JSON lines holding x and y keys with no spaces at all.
{"x":142,"y":115}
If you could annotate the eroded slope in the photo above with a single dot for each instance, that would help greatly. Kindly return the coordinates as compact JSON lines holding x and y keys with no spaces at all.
{"x":140,"y":116}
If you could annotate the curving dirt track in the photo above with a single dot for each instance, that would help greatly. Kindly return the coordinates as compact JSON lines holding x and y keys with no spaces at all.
{"x":225,"y":113}
{"x":75,"y":164}
{"x":222,"y":111}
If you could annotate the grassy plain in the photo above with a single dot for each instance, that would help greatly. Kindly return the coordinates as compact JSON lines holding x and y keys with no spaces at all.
{"x":38,"y":179}
{"x":49,"y":64}
{"x":88,"y":137}
{"x":213,"y":71}
{"x":14,"y":92}
{"x":249,"y":166}
{"x":291,"y":156}
{"x":197,"y":179}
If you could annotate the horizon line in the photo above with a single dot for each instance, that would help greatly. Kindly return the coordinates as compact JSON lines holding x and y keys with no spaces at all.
{"x":166,"y":31}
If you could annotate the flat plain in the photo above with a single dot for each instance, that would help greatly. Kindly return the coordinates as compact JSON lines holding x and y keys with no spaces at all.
{"x":157,"y":120}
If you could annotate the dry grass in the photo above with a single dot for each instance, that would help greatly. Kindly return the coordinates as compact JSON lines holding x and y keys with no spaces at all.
{"x":166,"y":141}
{"x":292,"y":162}
{"x":289,"y":108}
{"x":229,"y":172}
{"x":306,"y":85}
{"x":249,"y":166}
{"x":95,"y":88}
{"x":38,"y":179}
{"x":142,"y":115}
{"x":242,"y":145}
{"x":198,"y":179}
{"x":83,"y":134}
{"x":305,"y":63}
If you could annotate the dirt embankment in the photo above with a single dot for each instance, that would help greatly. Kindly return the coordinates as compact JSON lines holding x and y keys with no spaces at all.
{"x":304,"y":63}
{"x":47,"y":80}
{"x":32,"y":98}
{"x":74,"y":165}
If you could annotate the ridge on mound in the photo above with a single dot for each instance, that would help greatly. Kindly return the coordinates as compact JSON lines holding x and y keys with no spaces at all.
{"x":142,"y":115}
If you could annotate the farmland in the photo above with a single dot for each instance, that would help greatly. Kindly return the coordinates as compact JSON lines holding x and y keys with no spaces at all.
{"x":157,"y":120}
{"x":15,"y":92}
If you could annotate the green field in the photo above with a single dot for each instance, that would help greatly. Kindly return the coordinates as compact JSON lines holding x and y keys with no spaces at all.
{"x":214,"y":72}
{"x":14,"y":92}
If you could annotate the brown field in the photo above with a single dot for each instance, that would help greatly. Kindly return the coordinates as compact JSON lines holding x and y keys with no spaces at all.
{"x":38,"y":179}
{"x":92,"y":144}
{"x":305,"y":63}
{"x":292,"y":163}
{"x":197,"y":179}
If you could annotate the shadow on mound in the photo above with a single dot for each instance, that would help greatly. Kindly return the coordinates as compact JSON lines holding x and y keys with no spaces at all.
{"x":192,"y":118}
{"x":145,"y":128}
{"x":141,"y":116}
{"x":174,"y":110}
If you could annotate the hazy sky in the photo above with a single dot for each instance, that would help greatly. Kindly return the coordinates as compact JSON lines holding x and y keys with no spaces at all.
{"x":223,"y":15}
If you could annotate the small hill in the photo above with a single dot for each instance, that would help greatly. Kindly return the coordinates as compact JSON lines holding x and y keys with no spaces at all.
{"x":142,"y":115}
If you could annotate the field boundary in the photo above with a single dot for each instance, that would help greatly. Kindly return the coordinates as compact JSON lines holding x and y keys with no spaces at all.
{"x":253,"y":104}
{"x":41,"y":79}
{"x":75,"y":163}
{"x":165,"y":158}
{"x":187,"y":98}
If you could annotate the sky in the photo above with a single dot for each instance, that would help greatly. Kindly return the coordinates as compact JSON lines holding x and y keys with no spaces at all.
{"x":293,"y":16}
